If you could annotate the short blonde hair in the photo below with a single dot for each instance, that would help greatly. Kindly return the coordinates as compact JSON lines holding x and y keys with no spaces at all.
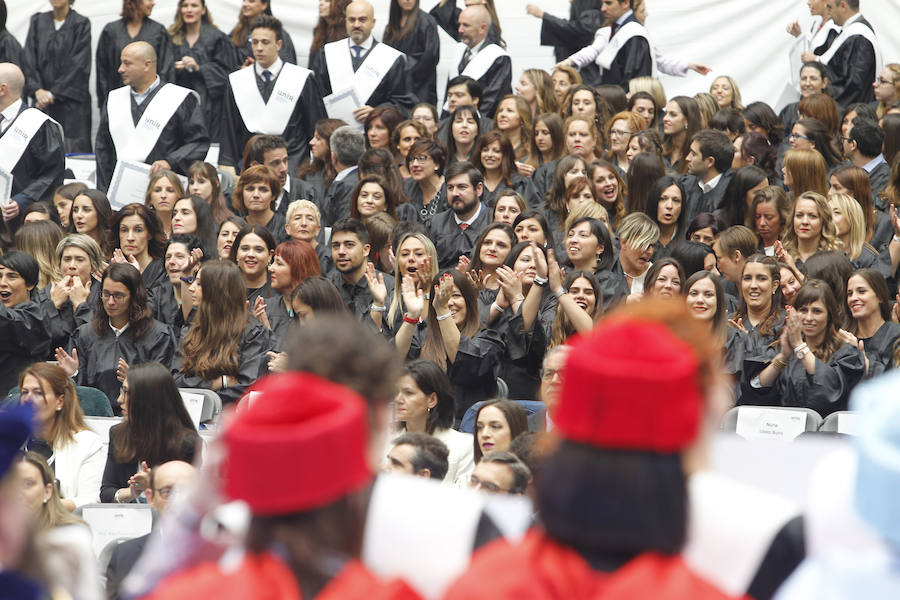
{"x":594,"y":210}
{"x":298,"y":204}
{"x":651,"y":85}
{"x":639,"y":229}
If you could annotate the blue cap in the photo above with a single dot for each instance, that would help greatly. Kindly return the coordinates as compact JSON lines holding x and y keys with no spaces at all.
{"x":878,"y":445}
{"x":15,"y":427}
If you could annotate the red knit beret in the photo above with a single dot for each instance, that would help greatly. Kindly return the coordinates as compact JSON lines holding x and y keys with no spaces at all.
{"x":300,"y":444}
{"x":631,"y":385}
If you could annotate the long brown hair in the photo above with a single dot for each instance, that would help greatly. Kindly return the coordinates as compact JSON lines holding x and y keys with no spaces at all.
{"x":70,"y":419}
{"x":332,"y":27}
{"x":157,"y":424}
{"x":324,"y":127}
{"x":217,"y":203}
{"x":139,"y":317}
{"x":177,"y":28}
{"x":211,"y":346}
{"x":767,"y":326}
{"x":240,"y":35}
{"x":394,"y":31}
{"x":507,"y":154}
{"x":434,"y":349}
{"x":809,"y":292}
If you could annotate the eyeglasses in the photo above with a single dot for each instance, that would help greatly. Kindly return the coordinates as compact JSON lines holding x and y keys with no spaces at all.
{"x":422,"y":158}
{"x":116,"y":296}
{"x":618,"y":133}
{"x":488,"y":486}
{"x":549,"y":373}
{"x":797,"y":136}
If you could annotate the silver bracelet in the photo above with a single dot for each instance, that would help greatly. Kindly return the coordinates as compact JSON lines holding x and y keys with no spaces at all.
{"x":443,"y":317}
{"x":541,"y":281}
{"x":896,"y":238}
{"x":559,"y":294}
{"x":375,"y":308}
{"x":496,"y":306}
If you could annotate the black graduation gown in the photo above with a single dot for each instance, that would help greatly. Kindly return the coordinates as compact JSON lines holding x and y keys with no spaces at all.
{"x":880,"y":348}
{"x":98,"y":356}
{"x":474,"y":372}
{"x":214,"y":52}
{"x":316,"y":182}
{"x":422,"y":48}
{"x":543,"y":178}
{"x":866,"y":258}
{"x":568,"y":36}
{"x":358,"y":298}
{"x":297,"y":134}
{"x":59,"y":61}
{"x":826,"y":391}
{"x":789,"y":115}
{"x":613,"y":285}
{"x":415,"y":209}
{"x":394,"y":89}
{"x":451,"y":241}
{"x":10,"y":49}
{"x":699,"y":201}
{"x":632,"y":60}
{"x":242,"y":53}
{"x":520,"y":365}
{"x":878,"y":180}
{"x":154,"y":274}
{"x":336,"y":204}
{"x":163,"y":305}
{"x":279,"y":318}
{"x":113,"y":40}
{"x":183,"y":140}
{"x":116,"y":474}
{"x":256,"y":340}
{"x":495,"y":83}
{"x":24,"y":339}
{"x":41,"y":167}
{"x":853,"y":70}
{"x":523,"y":185}
{"x":253,"y":293}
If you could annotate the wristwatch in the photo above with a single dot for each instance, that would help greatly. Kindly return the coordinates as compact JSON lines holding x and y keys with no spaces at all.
{"x":801,"y":351}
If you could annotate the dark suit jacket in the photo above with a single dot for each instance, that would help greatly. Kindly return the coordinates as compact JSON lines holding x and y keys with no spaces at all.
{"x":121,"y":562}
{"x":336,"y":204}
{"x":633,"y":60}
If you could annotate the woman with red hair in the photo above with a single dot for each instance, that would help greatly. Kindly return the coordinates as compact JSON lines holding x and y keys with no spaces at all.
{"x":294,"y":261}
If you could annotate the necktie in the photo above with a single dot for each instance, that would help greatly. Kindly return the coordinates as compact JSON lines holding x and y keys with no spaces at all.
{"x":467,"y":56}
{"x":463,"y":226}
{"x":267,"y":76}
{"x":612,"y":29}
{"x":357,"y":50}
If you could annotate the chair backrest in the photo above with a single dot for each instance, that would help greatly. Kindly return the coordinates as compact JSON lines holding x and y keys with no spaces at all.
{"x":782,"y":423}
{"x":210,"y":404}
{"x":843,"y":421}
{"x":502,"y":389}
{"x":116,"y":523}
{"x":101,"y":426}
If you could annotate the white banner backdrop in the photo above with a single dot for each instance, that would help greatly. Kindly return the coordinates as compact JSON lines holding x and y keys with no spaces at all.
{"x":742,"y":38}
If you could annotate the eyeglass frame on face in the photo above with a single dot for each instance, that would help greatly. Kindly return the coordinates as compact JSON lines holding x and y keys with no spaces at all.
{"x":797,"y":136}
{"x":620,"y":133}
{"x":420,"y":159}
{"x":549,"y":373}
{"x":488,"y":486}
{"x":115,"y":296}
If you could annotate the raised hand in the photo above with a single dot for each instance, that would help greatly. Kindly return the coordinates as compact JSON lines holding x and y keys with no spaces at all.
{"x":862,"y":350}
{"x":194,"y":262}
{"x":510,"y":284}
{"x":423,"y":274}
{"x":121,"y":370}
{"x":68,"y":362}
{"x":59,"y":291}
{"x":413,"y":298}
{"x":259,"y":311}
{"x":554,"y":273}
{"x":442,"y":292}
{"x":376,"y":285}
{"x":277,"y":362}
{"x":737,"y":324}
{"x":78,"y":292}
{"x":462,"y":264}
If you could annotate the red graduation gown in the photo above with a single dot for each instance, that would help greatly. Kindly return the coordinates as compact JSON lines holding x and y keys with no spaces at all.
{"x":540,"y":568}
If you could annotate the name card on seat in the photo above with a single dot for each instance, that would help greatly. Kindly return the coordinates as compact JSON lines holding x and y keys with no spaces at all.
{"x":848,"y":423}
{"x":762,"y":423}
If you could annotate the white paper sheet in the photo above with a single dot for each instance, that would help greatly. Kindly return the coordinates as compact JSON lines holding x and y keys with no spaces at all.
{"x":6,"y":181}
{"x":113,"y":523}
{"x":129,"y":183}
{"x":194,"y":405}
{"x":760,"y":423}
{"x":341,"y":104}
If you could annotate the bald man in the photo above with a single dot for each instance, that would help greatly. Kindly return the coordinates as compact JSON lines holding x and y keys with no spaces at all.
{"x":478,"y":57}
{"x":148,"y":120}
{"x":164,"y":479}
{"x":377,"y":72}
{"x":31,"y":147}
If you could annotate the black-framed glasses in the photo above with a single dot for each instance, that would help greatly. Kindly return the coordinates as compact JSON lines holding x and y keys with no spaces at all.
{"x":116,"y":296}
{"x":488,"y":486}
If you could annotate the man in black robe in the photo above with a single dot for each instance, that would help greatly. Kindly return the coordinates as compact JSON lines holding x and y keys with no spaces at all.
{"x":367,"y":59}
{"x":180,"y":134}
{"x":455,"y":231}
{"x":479,"y":57}
{"x":633,"y":58}
{"x":709,"y":166}
{"x":568,"y":36}
{"x":57,"y":69}
{"x":854,"y":56}
{"x":265,"y":108}
{"x":347,"y":146}
{"x":31,"y":146}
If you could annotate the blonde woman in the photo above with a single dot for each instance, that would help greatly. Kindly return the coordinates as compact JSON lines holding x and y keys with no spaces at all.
{"x":415,"y":258}
{"x":850,"y":227}
{"x":805,"y":171}
{"x":812,"y":229}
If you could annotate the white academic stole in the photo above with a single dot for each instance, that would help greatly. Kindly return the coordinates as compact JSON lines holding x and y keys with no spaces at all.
{"x":17,"y":136}
{"x":479,"y":64}
{"x":854,"y":28}
{"x":268,"y":117}
{"x":617,"y":42}
{"x":369,"y":74}
{"x":135,"y":142}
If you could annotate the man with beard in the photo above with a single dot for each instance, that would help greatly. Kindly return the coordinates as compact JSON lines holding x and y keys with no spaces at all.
{"x":455,"y":231}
